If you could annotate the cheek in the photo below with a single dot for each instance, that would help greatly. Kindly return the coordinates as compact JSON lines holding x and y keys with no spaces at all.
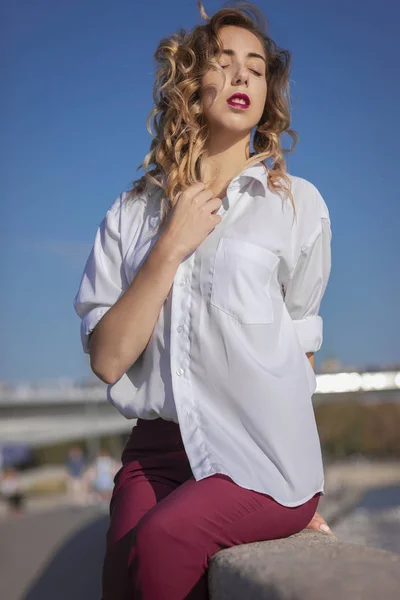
{"x":208,"y":99}
{"x":261,"y":99}
{"x":211,"y":87}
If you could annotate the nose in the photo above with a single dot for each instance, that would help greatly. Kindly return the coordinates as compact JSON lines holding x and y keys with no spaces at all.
{"x":240,"y":75}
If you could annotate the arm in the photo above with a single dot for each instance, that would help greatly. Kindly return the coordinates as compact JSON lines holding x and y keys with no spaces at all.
{"x":311,"y":357}
{"x":125,"y":330}
{"x":128,"y":317}
{"x":306,"y":286}
{"x":117,"y":323}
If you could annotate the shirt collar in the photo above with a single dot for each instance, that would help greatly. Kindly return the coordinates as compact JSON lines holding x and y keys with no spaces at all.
{"x":257,"y":171}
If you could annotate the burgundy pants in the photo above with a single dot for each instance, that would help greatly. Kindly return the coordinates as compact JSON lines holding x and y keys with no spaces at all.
{"x":165,"y":525}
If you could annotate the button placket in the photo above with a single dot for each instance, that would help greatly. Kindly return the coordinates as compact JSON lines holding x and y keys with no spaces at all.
{"x":180,"y":371}
{"x":180,"y":363}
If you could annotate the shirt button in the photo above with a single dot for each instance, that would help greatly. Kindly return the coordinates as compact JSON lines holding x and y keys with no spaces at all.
{"x":183,"y":281}
{"x":179,"y":329}
{"x":189,"y":418}
{"x":179,"y":372}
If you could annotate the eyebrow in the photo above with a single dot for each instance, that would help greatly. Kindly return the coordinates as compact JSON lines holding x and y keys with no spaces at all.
{"x":249,"y":54}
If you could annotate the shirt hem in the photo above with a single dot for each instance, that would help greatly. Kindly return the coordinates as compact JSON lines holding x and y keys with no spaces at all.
{"x":288,"y":504}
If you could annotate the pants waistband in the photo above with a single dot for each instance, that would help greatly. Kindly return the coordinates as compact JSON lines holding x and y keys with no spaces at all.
{"x":152,"y":436}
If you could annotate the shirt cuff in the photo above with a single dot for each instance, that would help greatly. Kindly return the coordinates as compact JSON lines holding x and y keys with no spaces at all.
{"x":89,"y":322}
{"x":309,"y":332}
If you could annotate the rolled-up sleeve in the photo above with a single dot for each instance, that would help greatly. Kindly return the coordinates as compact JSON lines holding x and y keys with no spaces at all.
{"x":101,"y":282}
{"x":307,"y":284}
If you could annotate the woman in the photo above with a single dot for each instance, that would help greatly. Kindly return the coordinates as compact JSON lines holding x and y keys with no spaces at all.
{"x":199,"y":306}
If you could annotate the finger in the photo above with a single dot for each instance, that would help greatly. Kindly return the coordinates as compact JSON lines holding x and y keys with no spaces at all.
{"x":319,"y":524}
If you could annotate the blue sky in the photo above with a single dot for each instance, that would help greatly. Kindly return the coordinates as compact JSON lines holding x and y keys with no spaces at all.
{"x":78,"y":77}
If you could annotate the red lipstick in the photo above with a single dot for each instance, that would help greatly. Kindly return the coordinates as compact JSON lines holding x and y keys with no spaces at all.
{"x":239,"y":100}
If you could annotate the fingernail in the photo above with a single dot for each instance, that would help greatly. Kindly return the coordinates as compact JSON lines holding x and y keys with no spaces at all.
{"x":324,"y":528}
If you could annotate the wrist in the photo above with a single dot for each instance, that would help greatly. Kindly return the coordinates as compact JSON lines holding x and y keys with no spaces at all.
{"x":168,"y":250}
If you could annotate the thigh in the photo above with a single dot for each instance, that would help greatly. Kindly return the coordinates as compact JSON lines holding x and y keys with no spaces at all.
{"x":133,"y":496}
{"x":148,"y":475}
{"x":154,"y":465}
{"x":216,"y":513}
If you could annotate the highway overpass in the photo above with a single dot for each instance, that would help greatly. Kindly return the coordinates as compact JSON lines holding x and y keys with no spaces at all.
{"x":46,"y":415}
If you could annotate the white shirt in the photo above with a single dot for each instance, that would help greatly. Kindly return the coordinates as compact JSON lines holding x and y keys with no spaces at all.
{"x":227,"y":357}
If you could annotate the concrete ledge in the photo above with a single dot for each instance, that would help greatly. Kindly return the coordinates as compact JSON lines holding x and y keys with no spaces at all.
{"x":307,"y":566}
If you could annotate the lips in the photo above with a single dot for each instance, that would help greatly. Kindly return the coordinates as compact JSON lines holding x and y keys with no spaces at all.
{"x":239,"y":96}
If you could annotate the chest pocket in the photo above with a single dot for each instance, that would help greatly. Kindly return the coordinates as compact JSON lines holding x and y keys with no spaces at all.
{"x":241,"y":281}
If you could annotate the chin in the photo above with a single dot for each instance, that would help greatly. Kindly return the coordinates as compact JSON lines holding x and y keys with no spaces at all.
{"x":230,"y":126}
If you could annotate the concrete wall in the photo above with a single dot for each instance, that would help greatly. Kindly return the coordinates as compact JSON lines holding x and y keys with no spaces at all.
{"x":307,"y":566}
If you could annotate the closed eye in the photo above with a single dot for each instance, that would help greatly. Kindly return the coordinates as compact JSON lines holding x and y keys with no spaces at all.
{"x":252,"y":70}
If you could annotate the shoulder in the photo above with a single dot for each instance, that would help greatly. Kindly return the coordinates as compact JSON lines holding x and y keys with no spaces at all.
{"x":126,"y":204}
{"x":132,"y":217}
{"x":308,"y":199}
{"x":312,"y":214}
{"x":130,"y":207}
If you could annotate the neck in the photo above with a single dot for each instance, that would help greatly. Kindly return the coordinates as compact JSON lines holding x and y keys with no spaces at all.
{"x":223,"y":161}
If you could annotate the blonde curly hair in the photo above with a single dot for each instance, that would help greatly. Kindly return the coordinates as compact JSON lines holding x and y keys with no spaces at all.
{"x":179,"y":141}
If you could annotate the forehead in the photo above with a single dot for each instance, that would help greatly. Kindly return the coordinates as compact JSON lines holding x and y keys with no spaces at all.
{"x":240,"y":40}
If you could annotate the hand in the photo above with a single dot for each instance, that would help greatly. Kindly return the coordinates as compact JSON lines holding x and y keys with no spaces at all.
{"x":318,"y":522}
{"x":191,"y":219}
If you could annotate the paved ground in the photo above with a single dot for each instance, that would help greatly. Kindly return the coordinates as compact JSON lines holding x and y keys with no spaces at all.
{"x":53,"y":555}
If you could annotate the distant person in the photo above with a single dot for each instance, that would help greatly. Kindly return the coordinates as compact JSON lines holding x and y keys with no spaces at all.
{"x":75,"y":466}
{"x":200,"y":308}
{"x":11,"y":491}
{"x":102,"y":475}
